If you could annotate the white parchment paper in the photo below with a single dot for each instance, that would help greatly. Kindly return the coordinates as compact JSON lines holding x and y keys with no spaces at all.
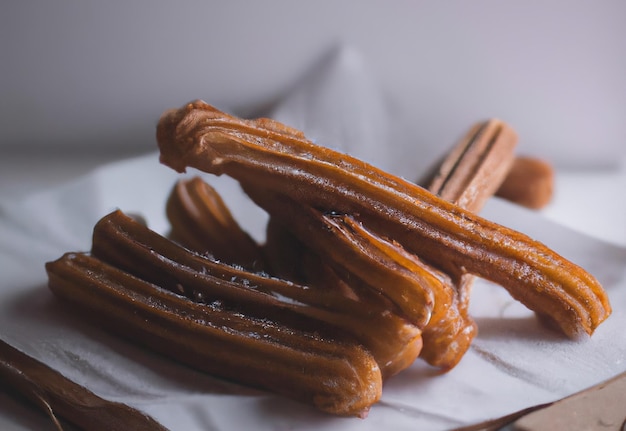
{"x":513,"y":363}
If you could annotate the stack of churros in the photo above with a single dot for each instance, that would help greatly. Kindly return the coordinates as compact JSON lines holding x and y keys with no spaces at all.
{"x":361,"y":272}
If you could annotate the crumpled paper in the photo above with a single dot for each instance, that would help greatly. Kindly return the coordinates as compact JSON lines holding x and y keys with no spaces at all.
{"x":513,"y":363}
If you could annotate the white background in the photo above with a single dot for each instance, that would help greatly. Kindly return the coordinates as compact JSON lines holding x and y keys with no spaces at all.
{"x":93,"y":77}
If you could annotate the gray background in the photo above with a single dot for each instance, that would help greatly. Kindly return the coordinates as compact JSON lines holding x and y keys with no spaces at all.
{"x":93,"y":77}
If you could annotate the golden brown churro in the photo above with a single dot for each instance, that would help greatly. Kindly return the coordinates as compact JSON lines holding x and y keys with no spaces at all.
{"x":306,"y":361}
{"x":476,"y":167}
{"x":530,"y":182}
{"x":134,"y":248}
{"x":457,"y":241}
{"x":202,"y":222}
{"x":422,"y":294}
